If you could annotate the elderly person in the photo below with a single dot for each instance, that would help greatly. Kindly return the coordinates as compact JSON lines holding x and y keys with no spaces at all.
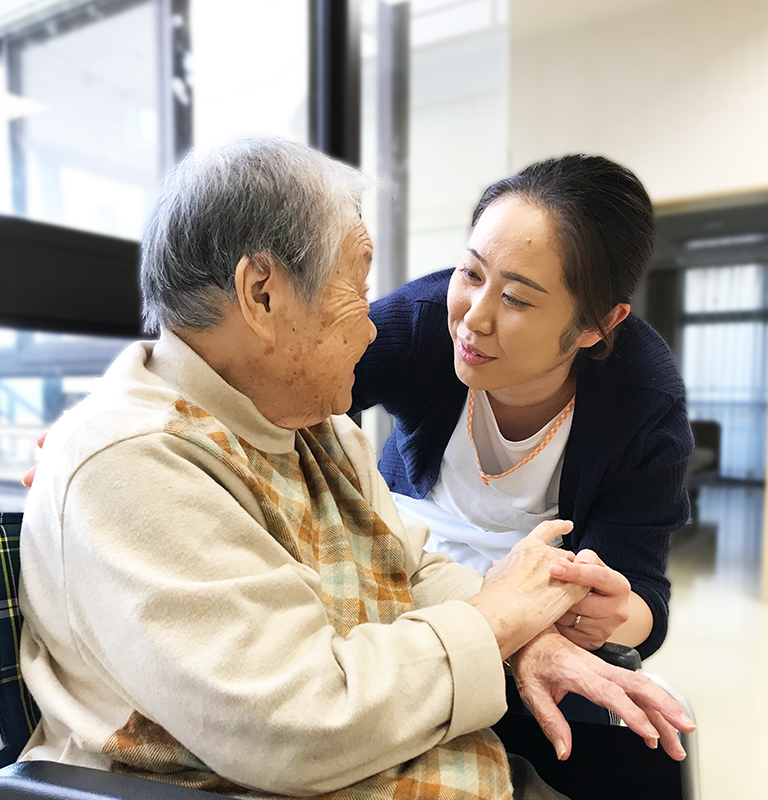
{"x":217,"y":587}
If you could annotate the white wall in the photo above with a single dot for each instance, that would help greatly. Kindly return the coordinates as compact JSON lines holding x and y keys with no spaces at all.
{"x":677,"y":91}
{"x":458,"y":142}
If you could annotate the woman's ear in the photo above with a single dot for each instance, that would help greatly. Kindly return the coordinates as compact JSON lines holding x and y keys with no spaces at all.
{"x":254,"y":279}
{"x":616,"y":315}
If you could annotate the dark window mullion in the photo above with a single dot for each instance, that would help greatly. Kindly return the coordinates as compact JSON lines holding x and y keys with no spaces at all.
{"x":716,"y":317}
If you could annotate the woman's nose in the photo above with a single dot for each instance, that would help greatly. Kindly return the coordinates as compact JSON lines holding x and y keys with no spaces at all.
{"x":479,"y":317}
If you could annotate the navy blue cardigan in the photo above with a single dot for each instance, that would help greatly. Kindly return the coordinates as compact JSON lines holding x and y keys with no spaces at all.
{"x":627,"y":452}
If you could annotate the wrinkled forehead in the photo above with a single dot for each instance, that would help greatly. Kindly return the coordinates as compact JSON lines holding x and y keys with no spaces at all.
{"x":356,"y":250}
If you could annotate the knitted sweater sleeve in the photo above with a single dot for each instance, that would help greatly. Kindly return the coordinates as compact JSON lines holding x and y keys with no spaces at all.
{"x":384,"y":375}
{"x":637,"y":544}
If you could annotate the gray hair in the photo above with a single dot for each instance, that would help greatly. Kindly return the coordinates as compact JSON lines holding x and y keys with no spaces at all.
{"x":256,"y":196}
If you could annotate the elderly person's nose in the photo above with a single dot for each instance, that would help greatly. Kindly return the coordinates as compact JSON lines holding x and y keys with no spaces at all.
{"x":479,"y":315}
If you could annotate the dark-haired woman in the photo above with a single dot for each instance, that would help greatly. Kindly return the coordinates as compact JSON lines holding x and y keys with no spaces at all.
{"x":523,"y":389}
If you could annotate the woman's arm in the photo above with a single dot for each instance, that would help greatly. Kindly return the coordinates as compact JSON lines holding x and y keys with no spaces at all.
{"x":631,"y":523}
{"x":412,"y":352}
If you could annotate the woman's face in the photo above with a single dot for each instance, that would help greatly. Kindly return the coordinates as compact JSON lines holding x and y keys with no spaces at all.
{"x":508,"y":307}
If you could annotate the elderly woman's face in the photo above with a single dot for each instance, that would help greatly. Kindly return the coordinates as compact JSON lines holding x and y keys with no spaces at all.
{"x":507,"y":304}
{"x":325,"y":342}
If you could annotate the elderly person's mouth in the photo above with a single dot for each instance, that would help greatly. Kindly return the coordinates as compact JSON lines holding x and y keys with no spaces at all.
{"x":472,"y":355}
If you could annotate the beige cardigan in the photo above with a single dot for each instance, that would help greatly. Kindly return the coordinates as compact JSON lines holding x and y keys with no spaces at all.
{"x":157,"y":604}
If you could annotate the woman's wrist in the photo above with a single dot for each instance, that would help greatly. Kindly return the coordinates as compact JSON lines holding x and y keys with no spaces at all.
{"x":638,"y":627}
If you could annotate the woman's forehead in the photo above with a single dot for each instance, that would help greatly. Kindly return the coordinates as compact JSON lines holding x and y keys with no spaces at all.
{"x":514,"y":235}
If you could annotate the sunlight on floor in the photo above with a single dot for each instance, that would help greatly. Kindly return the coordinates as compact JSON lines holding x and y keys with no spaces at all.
{"x":716,"y":652}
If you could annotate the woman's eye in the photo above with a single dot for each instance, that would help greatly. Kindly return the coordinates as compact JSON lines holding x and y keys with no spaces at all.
{"x":469,"y":273}
{"x":513,"y":301}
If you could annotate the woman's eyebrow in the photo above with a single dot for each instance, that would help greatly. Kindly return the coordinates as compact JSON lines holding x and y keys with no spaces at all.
{"x":514,"y":276}
{"x":510,"y":276}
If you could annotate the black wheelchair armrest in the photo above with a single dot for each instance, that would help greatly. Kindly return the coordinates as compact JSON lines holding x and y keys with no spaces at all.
{"x":619,"y":655}
{"x":47,"y":779}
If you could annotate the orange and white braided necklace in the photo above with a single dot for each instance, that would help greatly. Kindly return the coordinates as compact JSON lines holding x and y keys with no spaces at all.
{"x":547,"y":439}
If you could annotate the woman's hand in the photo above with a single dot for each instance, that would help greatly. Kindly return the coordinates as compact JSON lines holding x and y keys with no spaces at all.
{"x":592,"y":621}
{"x":550,"y":666}
{"x":30,"y":476}
{"x":520,"y":597}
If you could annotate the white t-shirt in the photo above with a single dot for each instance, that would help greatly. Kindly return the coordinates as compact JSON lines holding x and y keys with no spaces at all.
{"x":478,"y":524}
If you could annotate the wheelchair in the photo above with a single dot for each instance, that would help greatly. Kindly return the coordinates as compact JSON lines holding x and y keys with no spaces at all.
{"x":607,"y":761}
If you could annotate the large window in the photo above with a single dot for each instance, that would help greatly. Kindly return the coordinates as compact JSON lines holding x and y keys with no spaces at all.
{"x":82,"y":138}
{"x":456,"y":118}
{"x":725,"y":323}
{"x":435,"y":132}
{"x":43,"y":375}
{"x":80,"y":147}
{"x":251,"y":69}
{"x":98,"y":99}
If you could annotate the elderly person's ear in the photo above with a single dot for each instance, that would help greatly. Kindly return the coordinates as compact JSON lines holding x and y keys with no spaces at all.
{"x":254,"y":279}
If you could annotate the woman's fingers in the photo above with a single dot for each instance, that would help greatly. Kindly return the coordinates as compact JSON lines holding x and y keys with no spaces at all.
{"x":29,"y":477}
{"x":599,"y":578}
{"x":598,"y":606}
{"x":589,"y":557}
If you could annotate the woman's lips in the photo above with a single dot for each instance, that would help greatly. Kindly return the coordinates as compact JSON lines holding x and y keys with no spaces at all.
{"x":471,"y":355}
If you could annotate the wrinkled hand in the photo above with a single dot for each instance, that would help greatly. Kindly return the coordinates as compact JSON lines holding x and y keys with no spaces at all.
{"x":604,"y":609}
{"x":30,"y":476}
{"x":519,"y":597}
{"x":550,"y":666}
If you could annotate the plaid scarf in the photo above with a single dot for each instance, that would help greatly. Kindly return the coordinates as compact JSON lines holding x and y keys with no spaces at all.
{"x":313,"y":506}
{"x":18,"y":712}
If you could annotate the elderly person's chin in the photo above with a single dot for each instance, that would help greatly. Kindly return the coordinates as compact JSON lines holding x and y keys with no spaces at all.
{"x":316,"y":410}
{"x":342,"y":402}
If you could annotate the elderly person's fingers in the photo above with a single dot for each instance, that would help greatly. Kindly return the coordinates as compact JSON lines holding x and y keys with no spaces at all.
{"x":555,"y":665}
{"x":662,"y":712}
{"x":536,"y":541}
{"x":41,"y":438}
{"x":518,"y":597}
{"x":668,"y":736}
{"x":551,"y":720}
{"x":548,"y":530}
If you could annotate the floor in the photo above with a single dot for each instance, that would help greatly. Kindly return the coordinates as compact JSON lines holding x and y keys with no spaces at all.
{"x":716,"y":652}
